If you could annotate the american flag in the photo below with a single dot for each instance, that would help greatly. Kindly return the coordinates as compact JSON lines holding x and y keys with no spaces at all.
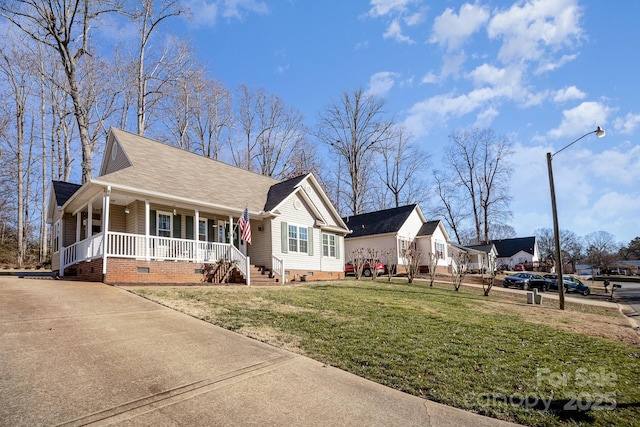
{"x":245,"y":226}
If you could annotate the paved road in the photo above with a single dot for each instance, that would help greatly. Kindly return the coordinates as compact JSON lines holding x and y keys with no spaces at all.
{"x":76,"y":353}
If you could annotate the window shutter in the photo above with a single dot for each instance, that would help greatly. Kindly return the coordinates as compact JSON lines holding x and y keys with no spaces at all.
{"x":284,"y":237}
{"x":152,"y":223}
{"x":338,"y":241}
{"x":310,"y":240}
{"x":211,"y":227}
{"x":177,"y":226}
{"x":189,"y":227}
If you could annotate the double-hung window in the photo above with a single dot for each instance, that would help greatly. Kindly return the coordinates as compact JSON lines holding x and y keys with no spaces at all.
{"x":56,"y":237}
{"x":202,"y":229}
{"x":298,"y":239}
{"x":164,"y":224}
{"x":328,"y":245}
{"x":440,"y":250}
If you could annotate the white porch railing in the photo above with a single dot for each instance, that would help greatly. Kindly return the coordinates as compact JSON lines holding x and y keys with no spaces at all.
{"x":125,"y":245}
{"x":85,"y":250}
{"x":277,"y":267}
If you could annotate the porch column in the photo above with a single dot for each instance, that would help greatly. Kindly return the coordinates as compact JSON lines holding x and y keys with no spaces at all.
{"x":147,"y":224}
{"x":196,"y":233}
{"x":89,"y":225}
{"x":231,"y":230}
{"x":78,"y":226}
{"x":106,"y":197}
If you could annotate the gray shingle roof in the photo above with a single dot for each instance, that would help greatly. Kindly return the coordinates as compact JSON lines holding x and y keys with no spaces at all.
{"x":161,"y":168}
{"x":379,"y":222}
{"x":64,"y":191}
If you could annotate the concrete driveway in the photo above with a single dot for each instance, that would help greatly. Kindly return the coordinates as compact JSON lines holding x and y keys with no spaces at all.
{"x":75,"y":353}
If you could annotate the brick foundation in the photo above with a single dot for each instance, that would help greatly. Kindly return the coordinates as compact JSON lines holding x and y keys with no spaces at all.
{"x":130,"y":271}
{"x":296,"y":275}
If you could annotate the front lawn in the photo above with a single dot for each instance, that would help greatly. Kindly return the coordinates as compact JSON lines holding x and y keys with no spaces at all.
{"x":496,"y":356}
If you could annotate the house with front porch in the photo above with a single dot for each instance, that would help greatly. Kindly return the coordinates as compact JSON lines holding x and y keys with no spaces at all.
{"x":520,"y":250}
{"x":159,"y":214}
{"x":399,"y":229}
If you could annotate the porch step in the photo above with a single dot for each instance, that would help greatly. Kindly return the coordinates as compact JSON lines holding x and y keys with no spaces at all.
{"x":259,"y":277}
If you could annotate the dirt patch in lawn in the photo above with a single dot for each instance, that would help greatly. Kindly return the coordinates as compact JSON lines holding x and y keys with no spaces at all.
{"x":613,"y":327}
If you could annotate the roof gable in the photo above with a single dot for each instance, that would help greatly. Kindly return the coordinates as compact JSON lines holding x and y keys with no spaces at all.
{"x":158,"y":168}
{"x":280,"y":191}
{"x":509,"y":247}
{"x":378,"y":222}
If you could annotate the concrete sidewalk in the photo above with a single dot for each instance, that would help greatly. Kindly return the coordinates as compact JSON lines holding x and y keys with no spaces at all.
{"x":75,"y":353}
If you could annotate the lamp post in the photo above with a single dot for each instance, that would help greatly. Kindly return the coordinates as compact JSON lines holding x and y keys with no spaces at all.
{"x":556,"y":229}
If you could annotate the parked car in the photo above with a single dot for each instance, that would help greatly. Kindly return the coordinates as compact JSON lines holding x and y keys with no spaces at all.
{"x":349,"y":268}
{"x":571,"y":284}
{"x":526,"y":281}
{"x":519,"y":267}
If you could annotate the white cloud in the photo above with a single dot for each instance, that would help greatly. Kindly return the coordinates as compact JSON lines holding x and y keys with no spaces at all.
{"x":233,"y":8}
{"x":452,"y":30}
{"x":428,"y":78}
{"x":452,"y":64}
{"x":381,"y":83}
{"x":394,"y":31}
{"x":568,"y":94}
{"x":535,"y":29}
{"x":205,"y":12}
{"x":581,"y":119}
{"x":384,"y":7}
{"x":485,"y":118}
{"x":628,"y":124}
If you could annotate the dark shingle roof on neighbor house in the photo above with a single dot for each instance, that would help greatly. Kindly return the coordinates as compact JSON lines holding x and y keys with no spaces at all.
{"x":510,"y":247}
{"x":483,"y":248}
{"x":64,"y":190}
{"x":378,"y":222}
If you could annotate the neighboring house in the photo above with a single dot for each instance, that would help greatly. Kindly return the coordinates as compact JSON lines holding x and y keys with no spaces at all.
{"x":398,"y":229}
{"x":482,"y":258}
{"x":159,"y":214}
{"x":521,"y":250}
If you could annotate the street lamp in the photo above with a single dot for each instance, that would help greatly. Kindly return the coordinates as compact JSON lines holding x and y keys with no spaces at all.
{"x":556,"y":229}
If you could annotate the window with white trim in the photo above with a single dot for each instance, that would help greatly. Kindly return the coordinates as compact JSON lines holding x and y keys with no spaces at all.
{"x":403,"y":247}
{"x":328,"y":245}
{"x":56,"y":236}
{"x":298,"y":239}
{"x":202,"y":230}
{"x":163,"y":222}
{"x":440,"y":249}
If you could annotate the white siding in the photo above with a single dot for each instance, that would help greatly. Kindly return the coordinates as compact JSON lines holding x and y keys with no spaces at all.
{"x":319,"y":203}
{"x":261,"y":242}
{"x":379,"y":242}
{"x":299,"y":217}
{"x":411,"y":226}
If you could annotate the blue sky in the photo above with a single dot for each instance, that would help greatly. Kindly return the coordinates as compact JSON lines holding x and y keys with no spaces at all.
{"x":541,"y":72}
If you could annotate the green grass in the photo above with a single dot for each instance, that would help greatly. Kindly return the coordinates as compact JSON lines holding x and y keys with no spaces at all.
{"x":450,"y":347}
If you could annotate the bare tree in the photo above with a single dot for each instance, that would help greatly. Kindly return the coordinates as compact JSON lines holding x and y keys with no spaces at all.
{"x":212,"y":116}
{"x":149,"y":72}
{"x":451,"y":206}
{"x":459,"y":268}
{"x":63,"y":27}
{"x":403,"y":164}
{"x":481,"y":165}
{"x":412,"y":259}
{"x":358,"y":258}
{"x":432,"y":259}
{"x":389,"y":258}
{"x":18,"y":81}
{"x":373,"y":257}
{"x":353,"y":128}
{"x":488,"y":275}
{"x":600,"y":247}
